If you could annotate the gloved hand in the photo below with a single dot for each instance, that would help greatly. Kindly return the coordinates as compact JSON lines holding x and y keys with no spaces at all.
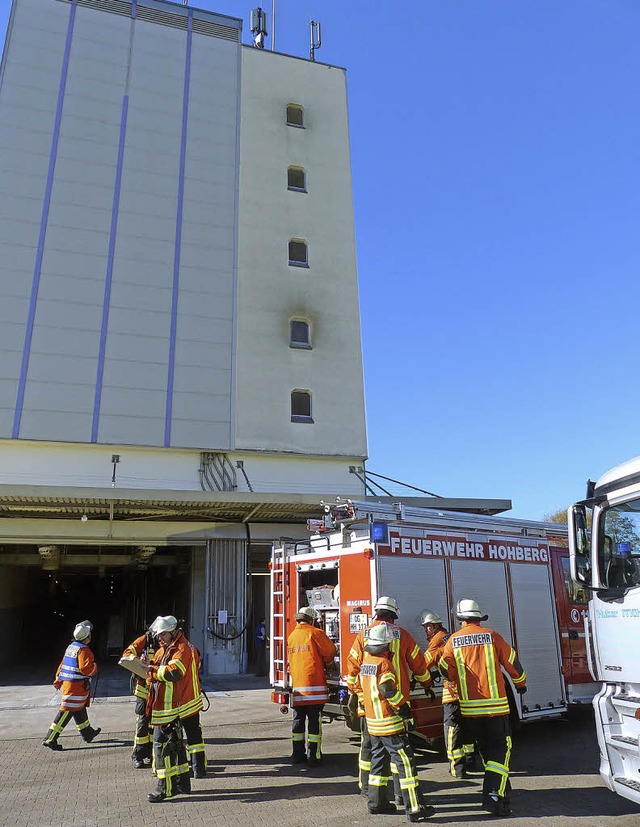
{"x":430,"y":694}
{"x":57,"y":684}
{"x":521,"y":690}
{"x":409,"y":724}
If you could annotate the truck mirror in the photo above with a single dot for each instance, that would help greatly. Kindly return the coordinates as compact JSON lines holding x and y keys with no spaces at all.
{"x":579,"y":545}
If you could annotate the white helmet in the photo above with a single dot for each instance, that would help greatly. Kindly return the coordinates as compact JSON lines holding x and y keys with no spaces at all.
{"x":378,"y":638}
{"x":152,"y":626}
{"x":429,"y":617}
{"x":387,"y":604}
{"x":469,"y":610}
{"x":164,"y":624}
{"x":82,"y":630}
{"x":308,"y":613}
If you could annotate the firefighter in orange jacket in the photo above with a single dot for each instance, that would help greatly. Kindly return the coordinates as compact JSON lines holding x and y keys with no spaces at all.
{"x":460,"y":755}
{"x":407,"y":659}
{"x":72,"y":677}
{"x":143,"y":647}
{"x":171,"y":697}
{"x":309,"y":652}
{"x":473,"y":658}
{"x":388,"y":717}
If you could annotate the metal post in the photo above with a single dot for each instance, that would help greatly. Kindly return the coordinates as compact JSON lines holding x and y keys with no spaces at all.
{"x":273,"y":25}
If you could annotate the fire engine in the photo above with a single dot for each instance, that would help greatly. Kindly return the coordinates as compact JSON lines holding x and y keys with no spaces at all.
{"x":517,"y":570}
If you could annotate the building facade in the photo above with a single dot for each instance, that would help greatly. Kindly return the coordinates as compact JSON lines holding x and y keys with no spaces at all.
{"x":180,"y":357}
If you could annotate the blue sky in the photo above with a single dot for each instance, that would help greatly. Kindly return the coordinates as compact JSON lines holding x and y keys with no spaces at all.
{"x":496,"y":171}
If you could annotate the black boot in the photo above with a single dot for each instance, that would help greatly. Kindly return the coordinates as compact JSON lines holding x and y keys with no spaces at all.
{"x":182,"y":784}
{"x":90,"y":733}
{"x":199,"y":765}
{"x":159,"y":794}
{"x":54,"y":745}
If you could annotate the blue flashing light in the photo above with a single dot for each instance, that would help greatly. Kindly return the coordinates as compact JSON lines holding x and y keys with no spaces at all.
{"x":379,"y":532}
{"x":623,"y":549}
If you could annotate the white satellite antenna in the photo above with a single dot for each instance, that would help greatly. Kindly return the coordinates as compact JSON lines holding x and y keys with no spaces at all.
{"x":259,"y":27}
{"x":315,"y":38}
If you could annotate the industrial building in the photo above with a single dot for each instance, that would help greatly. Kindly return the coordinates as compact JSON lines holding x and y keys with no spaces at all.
{"x":180,"y":357}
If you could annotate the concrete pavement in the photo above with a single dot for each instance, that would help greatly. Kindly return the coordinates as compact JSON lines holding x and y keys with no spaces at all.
{"x":251,"y":782}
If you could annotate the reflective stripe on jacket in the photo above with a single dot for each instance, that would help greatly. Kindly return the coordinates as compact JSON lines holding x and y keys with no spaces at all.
{"x":407,"y":658}
{"x":309,"y":650}
{"x":473,"y":658}
{"x":381,"y":712}
{"x":192,"y":691}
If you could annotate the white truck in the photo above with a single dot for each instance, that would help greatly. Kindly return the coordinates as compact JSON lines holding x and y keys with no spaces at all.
{"x":604,"y":545}
{"x":518,"y":571}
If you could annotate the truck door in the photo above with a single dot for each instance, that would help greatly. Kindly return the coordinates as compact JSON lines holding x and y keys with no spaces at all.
{"x":571,"y":603}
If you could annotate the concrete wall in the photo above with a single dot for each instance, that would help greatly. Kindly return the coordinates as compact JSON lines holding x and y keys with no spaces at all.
{"x":36,"y":463}
{"x":270,"y":292}
{"x":118,"y":268}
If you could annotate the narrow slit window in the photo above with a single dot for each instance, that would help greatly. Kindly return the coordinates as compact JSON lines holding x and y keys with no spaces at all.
{"x":298,"y":253}
{"x":295,"y":115}
{"x":299,"y":334}
{"x":296,"y":179}
{"x":301,"y":406}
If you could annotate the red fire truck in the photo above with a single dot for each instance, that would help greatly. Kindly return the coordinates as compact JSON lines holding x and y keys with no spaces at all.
{"x":517,"y":570}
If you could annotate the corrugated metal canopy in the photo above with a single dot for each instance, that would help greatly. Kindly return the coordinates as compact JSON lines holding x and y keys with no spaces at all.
{"x":65,"y":502}
{"x":57,"y":502}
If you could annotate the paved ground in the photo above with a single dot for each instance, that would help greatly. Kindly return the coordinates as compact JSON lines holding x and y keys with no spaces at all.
{"x":250,"y":783}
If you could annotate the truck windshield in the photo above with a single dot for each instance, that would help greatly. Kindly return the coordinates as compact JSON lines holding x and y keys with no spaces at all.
{"x":619,"y":551}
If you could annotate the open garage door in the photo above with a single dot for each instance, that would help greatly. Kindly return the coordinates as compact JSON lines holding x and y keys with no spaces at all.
{"x":43,"y":594}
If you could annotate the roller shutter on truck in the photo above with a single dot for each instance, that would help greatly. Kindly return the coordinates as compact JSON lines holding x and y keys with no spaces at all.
{"x":416,"y":585}
{"x":537,"y":637}
{"x":485,"y":583}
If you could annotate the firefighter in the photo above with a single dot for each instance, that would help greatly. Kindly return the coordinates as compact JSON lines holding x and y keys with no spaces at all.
{"x":388,"y":717}
{"x":460,"y":755}
{"x":473,"y":657}
{"x":171,"y":679}
{"x":143,"y":647}
{"x":407,"y":659}
{"x":73,"y":678}
{"x":309,"y":652}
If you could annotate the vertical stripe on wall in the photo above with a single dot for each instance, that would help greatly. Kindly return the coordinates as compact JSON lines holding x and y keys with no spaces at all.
{"x":37,"y":270}
{"x":176,"y":254}
{"x":106,"y":302}
{"x":109,"y":277}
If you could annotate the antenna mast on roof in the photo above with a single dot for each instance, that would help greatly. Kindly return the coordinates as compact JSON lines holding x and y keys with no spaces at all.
{"x":258,"y":27}
{"x":314,"y":36}
{"x":273,"y":25}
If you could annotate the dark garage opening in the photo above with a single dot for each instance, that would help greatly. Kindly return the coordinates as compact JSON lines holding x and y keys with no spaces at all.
{"x":39,"y":608}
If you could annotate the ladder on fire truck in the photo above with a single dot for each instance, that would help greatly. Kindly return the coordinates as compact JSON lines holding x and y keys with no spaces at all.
{"x":362,"y":511}
{"x":279,"y":588}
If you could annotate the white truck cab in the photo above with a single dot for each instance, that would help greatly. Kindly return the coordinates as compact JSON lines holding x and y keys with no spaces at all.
{"x":604,"y":544}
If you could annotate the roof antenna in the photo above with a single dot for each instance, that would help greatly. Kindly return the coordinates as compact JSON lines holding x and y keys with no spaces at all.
{"x":258,"y":27}
{"x":315,"y":38}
